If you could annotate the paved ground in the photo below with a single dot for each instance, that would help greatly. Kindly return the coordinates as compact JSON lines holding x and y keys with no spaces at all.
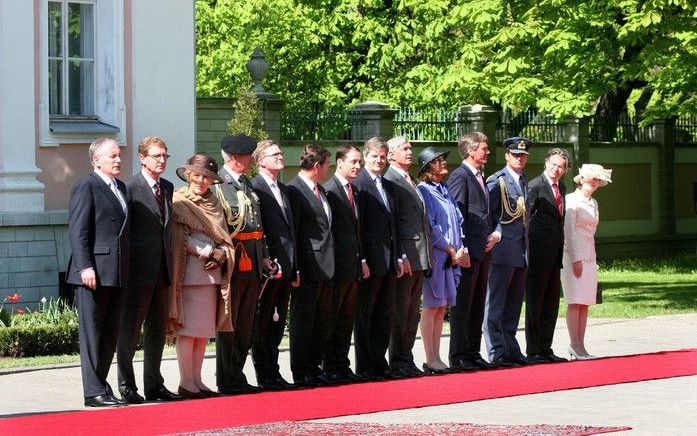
{"x":654,"y":407}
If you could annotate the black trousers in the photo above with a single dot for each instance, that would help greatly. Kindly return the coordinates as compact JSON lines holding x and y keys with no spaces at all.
{"x":336,"y":360}
{"x":374,"y":310}
{"x":267,"y":332}
{"x":467,"y":316}
{"x":99,"y":312}
{"x":232,"y":348}
{"x":405,"y":321}
{"x":542,"y":293}
{"x":310,"y":309}
{"x":146,"y":308}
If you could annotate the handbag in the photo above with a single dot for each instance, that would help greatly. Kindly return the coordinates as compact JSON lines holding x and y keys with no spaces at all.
{"x":599,"y":294}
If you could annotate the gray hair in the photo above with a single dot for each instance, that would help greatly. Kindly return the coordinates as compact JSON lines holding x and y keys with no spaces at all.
{"x":226,"y":157}
{"x":470,"y":142}
{"x":396,"y":142}
{"x":559,"y":152}
{"x":96,"y":146}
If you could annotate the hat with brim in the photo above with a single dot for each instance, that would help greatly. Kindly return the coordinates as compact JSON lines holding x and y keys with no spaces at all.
{"x":428,"y":155}
{"x":238,"y":145}
{"x":517,"y":145}
{"x":594,"y":171}
{"x":201,"y":164}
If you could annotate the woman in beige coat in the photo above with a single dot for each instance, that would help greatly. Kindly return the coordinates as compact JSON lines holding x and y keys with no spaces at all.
{"x":580,"y":270}
{"x":202,"y":262}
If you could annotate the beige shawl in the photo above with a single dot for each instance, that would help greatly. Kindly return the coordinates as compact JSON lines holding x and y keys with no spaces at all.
{"x":192,"y":213}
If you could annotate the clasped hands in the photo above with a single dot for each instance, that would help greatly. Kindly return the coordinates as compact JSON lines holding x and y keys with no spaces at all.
{"x":216,"y":258}
{"x":459,"y":257}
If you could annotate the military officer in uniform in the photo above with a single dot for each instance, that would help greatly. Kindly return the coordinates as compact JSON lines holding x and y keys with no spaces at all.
{"x":243,"y":216}
{"x":509,"y":257}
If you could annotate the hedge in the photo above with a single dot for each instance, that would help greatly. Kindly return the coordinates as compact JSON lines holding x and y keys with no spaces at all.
{"x":42,"y":340}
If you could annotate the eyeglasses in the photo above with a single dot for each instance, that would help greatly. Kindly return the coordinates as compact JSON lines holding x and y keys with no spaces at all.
{"x":276,"y":155}
{"x":159,"y":156}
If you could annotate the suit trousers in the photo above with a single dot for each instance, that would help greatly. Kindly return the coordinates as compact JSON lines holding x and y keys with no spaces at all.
{"x":99,"y":312}
{"x":336,"y":360}
{"x":405,"y":320}
{"x":267,"y":332}
{"x":541,"y":308}
{"x":232,"y":348}
{"x":504,"y":302}
{"x":374,"y":309}
{"x":147,"y":308}
{"x":309,"y":322}
{"x":467,"y":315}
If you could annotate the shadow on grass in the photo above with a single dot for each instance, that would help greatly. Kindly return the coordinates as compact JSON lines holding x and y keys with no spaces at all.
{"x":670,"y":295}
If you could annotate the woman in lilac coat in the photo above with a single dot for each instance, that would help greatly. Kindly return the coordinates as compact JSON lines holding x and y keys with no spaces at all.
{"x":445,"y":221}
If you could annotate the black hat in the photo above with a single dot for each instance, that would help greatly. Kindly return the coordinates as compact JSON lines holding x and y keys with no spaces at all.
{"x":202,"y":164}
{"x":517,"y":145}
{"x":239,"y":144}
{"x":428,"y":155}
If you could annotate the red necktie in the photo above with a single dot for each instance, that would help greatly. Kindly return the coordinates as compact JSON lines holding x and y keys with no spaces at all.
{"x":160,"y":200}
{"x":350,"y":197}
{"x":317,"y":193}
{"x":557,"y":196}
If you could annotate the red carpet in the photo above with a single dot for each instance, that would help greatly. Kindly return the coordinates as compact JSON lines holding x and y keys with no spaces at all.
{"x":226,"y":412}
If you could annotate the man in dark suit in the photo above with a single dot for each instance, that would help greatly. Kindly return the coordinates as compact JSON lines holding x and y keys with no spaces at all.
{"x":350,"y":266}
{"x":279,"y":228}
{"x":146,"y":297}
{"x":415,"y":242}
{"x":467,"y":186}
{"x":98,"y":266}
{"x":243,"y":215}
{"x":311,"y":303}
{"x":509,"y":258}
{"x":546,"y":205}
{"x":374,"y":300}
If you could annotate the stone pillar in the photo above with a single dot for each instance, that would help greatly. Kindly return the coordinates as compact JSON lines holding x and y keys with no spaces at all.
{"x":372,"y":118}
{"x":576,"y":133}
{"x":477,"y":118}
{"x":663,"y":132}
{"x":20,"y":191}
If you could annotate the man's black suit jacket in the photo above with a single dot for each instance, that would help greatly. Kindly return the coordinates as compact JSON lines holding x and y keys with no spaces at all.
{"x":279,"y":226}
{"x":148,"y":231}
{"x":345,"y":231}
{"x":312,"y":232}
{"x":474,"y":206}
{"x":99,"y":233}
{"x":546,"y":231}
{"x":378,"y":232}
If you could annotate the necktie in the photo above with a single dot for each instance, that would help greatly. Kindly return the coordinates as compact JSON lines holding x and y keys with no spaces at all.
{"x":349,"y":188}
{"x":117,"y":193}
{"x":557,"y":196}
{"x":160,"y":199}
{"x":316,"y":189}
{"x":381,"y":191}
{"x":244,"y":183}
{"x":480,"y":179}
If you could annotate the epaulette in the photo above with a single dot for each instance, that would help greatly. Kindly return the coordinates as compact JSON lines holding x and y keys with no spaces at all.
{"x":495,"y":175}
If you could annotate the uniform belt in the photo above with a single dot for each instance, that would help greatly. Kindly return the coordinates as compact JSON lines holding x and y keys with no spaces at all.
{"x":249,"y":236}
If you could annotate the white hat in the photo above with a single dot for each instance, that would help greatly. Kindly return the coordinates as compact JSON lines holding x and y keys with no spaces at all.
{"x":594,"y":171}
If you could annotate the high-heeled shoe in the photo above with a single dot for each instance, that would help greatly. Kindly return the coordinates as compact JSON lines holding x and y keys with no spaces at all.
{"x":574,"y":355}
{"x":428,"y":369}
{"x":190,"y":395}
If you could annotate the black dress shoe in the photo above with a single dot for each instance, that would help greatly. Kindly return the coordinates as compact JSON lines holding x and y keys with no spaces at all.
{"x":431,"y":370}
{"x":537,"y":358}
{"x":413,"y":371}
{"x":190,"y":395}
{"x":103,"y":401}
{"x":275,"y":384}
{"x":307,"y":381}
{"x":481,"y":363}
{"x":501,"y":362}
{"x":462,"y":365}
{"x":551,"y":357}
{"x":521,"y":360}
{"x":351,"y":377}
{"x":161,"y":393}
{"x":130,"y":395}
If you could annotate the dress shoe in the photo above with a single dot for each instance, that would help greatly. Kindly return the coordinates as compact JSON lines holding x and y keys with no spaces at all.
{"x":413,"y":371}
{"x":462,"y":365}
{"x":307,"y":381}
{"x":481,"y":363}
{"x":161,"y":393}
{"x":501,"y":362}
{"x":520,"y":360}
{"x":103,"y":401}
{"x":431,"y":370}
{"x":276,"y":384}
{"x":130,"y":395}
{"x":551,"y":357}
{"x":576,"y":356}
{"x":244,"y":388}
{"x":332,"y":378}
{"x":190,"y":395}
{"x":537,"y":358}
{"x":323,"y":379}
{"x":351,"y":377}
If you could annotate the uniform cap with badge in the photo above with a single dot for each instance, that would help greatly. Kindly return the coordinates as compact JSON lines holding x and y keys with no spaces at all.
{"x":517,"y":145}
{"x":238,"y":145}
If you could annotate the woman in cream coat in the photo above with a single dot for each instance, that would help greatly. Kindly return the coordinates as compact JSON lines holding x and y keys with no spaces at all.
{"x":580,"y":270}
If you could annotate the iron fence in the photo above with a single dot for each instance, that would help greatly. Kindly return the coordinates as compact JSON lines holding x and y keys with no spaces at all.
{"x":619,"y":129}
{"x":320,"y":124}
{"x":538,"y":127}
{"x":686,"y":129}
{"x":426,"y":125}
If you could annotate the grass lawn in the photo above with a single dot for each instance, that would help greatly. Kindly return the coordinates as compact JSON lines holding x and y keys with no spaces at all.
{"x":631,"y":289}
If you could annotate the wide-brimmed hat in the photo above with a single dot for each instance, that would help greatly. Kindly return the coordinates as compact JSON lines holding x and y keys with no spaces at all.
{"x":594,"y":171}
{"x":201,"y":164}
{"x":428,"y":155}
{"x":238,"y":145}
{"x":517,"y":145}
